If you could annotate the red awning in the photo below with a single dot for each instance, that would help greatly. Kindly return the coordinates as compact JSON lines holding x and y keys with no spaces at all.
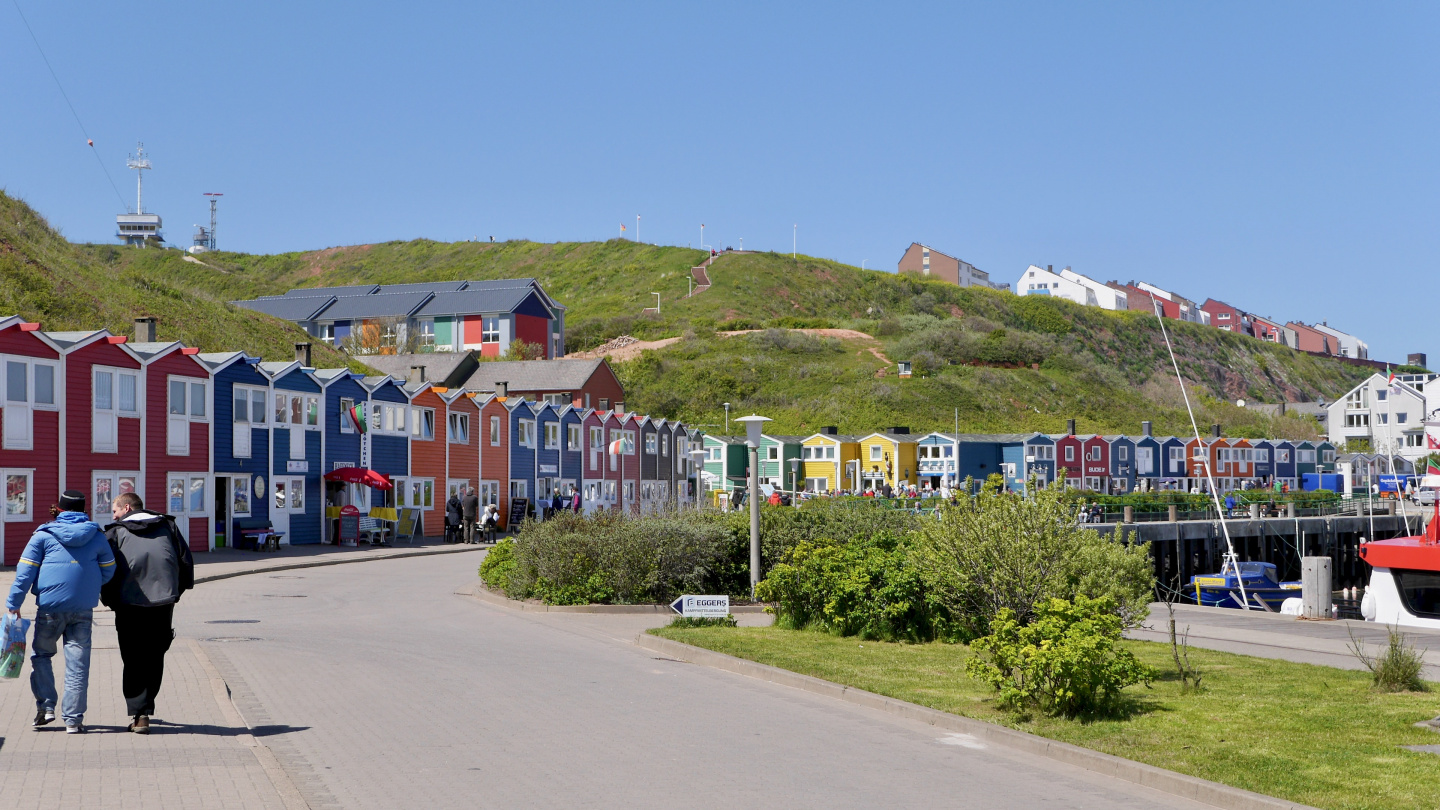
{"x":360,"y":475}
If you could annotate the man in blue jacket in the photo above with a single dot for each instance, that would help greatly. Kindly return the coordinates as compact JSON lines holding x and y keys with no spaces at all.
{"x":64,"y":565}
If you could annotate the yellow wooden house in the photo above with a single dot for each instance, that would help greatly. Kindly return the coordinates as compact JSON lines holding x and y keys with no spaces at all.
{"x":888,"y":458}
{"x":829,"y":461}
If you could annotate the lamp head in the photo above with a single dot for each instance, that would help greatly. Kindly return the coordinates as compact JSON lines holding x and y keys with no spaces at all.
{"x":754,"y":425}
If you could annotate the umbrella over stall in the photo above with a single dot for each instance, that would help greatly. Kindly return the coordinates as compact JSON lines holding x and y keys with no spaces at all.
{"x":360,"y":475}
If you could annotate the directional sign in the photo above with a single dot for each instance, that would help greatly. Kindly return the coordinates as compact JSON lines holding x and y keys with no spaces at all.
{"x":704,"y":607}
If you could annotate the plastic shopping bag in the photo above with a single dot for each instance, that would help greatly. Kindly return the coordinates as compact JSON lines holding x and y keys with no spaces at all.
{"x":12,"y":646}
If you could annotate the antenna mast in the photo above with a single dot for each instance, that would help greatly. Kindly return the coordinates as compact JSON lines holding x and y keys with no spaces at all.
{"x":139,"y":163}
{"x":214,"y":198}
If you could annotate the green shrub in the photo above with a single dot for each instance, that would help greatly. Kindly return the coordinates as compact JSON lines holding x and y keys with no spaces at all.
{"x":497,"y":566}
{"x":1397,"y":668}
{"x":1002,"y":550}
{"x":866,"y":586}
{"x":697,"y":621}
{"x":1068,"y":661}
{"x":626,"y":559}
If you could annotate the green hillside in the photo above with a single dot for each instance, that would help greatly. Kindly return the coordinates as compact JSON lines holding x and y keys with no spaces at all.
{"x":63,"y":286}
{"x":1006,"y":363}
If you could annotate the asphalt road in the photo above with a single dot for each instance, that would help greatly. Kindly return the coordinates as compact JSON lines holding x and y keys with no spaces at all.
{"x":376,"y":686}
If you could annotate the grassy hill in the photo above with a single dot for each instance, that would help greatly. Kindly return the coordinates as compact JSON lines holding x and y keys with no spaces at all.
{"x":63,"y":286}
{"x":1007,"y":363}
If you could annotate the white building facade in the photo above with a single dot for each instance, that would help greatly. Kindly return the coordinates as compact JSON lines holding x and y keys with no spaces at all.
{"x":1392,"y":421}
{"x":1071,"y":286}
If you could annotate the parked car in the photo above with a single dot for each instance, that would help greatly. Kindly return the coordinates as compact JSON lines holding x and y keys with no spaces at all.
{"x":1425,"y":496}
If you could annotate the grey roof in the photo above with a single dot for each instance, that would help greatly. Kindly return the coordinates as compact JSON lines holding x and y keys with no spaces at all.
{"x":328,"y":375}
{"x":725,"y":439}
{"x":380,"y":305}
{"x":67,"y":339}
{"x":356,"y":289}
{"x":784,"y":439}
{"x":217,"y":359}
{"x":438,"y":365}
{"x":470,"y":301}
{"x":373,"y":381}
{"x":149,"y":350}
{"x":290,"y":309}
{"x":420,"y":286}
{"x":846,"y":438}
{"x":562,"y":374}
{"x":273,"y":367}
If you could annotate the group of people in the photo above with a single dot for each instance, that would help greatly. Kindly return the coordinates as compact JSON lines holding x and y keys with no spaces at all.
{"x":138,"y":566}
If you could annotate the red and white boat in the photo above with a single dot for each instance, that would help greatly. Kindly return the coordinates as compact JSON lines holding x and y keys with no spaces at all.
{"x":1405,"y":579}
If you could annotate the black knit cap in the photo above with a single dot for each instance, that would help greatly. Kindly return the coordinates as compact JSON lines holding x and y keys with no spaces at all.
{"x":72,"y":501}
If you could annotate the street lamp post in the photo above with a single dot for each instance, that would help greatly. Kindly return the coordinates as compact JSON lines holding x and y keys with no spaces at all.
{"x":795,"y":480}
{"x":794,"y":239}
{"x":754,"y":425}
{"x":727,"y":419}
{"x":698,"y":461}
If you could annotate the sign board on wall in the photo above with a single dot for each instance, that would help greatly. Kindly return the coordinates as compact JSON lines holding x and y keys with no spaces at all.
{"x":518,"y":507}
{"x":548,"y":468}
{"x":297,"y":466}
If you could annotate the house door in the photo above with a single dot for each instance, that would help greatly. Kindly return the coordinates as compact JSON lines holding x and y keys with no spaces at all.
{"x":280,"y":508}
{"x":222,"y":510}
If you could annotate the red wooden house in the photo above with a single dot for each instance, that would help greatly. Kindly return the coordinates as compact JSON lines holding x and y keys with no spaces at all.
{"x":494,"y":454}
{"x":103,"y":430}
{"x":627,"y":428}
{"x":1097,"y":462}
{"x":462,"y":442}
{"x":1070,"y":457}
{"x":1237,"y":461}
{"x":32,"y":458}
{"x":429,"y":469}
{"x":176,"y":463}
{"x":594,"y":477}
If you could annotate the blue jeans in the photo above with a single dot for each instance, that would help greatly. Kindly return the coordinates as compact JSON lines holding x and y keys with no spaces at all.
{"x":49,"y":627}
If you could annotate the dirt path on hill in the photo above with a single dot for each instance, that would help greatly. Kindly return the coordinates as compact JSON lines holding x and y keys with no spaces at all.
{"x":625,"y":348}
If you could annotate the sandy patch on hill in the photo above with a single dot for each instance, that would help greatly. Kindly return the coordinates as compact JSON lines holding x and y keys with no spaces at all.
{"x":627,"y":348}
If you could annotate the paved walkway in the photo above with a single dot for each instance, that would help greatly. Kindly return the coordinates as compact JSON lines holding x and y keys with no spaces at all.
{"x":1270,"y":635}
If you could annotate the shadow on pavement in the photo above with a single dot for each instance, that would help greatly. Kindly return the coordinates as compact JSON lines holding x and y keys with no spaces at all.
{"x":163,"y":727}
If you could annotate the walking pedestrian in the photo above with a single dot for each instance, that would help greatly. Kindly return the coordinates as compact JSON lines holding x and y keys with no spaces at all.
{"x":469,"y":512}
{"x":454,"y":516}
{"x":65,"y":563}
{"x":153,"y":567}
{"x":556,"y":503}
{"x":575,"y":501}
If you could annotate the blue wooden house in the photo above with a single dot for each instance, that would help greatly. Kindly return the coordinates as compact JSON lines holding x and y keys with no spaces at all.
{"x":1174,"y":469}
{"x":1123,"y":475}
{"x":1148,"y":456}
{"x":935,"y":460}
{"x":297,"y":504}
{"x":241,"y":409}
{"x":1325,"y":453}
{"x":1305,"y":462}
{"x":387,"y":438}
{"x":1284,"y":463}
{"x":1263,"y":465}
{"x":340,"y":390}
{"x":551,"y":436}
{"x":572,"y":449}
{"x":524,"y":450}
{"x":1039,"y":457}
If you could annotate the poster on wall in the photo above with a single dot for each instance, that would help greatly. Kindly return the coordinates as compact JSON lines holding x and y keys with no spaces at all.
{"x":240,"y":505}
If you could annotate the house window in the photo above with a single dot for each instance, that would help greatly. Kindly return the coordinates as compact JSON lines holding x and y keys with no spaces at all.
{"x":248,"y":412}
{"x":422,"y":424}
{"x":185,"y":495}
{"x":772,"y":453}
{"x":327,"y":333}
{"x":877,"y":453}
{"x":1414,"y":440}
{"x":664,"y":446}
{"x":651,"y":444}
{"x":347,"y":424}
{"x":1070,"y":452}
{"x":1144,"y":460}
{"x":1305,"y":456}
{"x":107,"y":487}
{"x":29,"y":386}
{"x":558,"y":400}
{"x":629,"y":491}
{"x":1282,"y":456}
{"x":552,"y":435}
{"x":525,"y":432}
{"x":1124,"y":453}
{"x":459,"y":428}
{"x":494,"y":431}
{"x":18,"y":500}
{"x":517,"y":489}
{"x":490,"y":330}
{"x":427,"y":333}
{"x":187,"y":399}
{"x":572,"y":437}
{"x":1095,"y":453}
{"x":1400,"y":417}
{"x":629,"y":436}
{"x":1327,"y":456}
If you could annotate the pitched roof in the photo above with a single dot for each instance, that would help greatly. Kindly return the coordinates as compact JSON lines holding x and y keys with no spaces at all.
{"x":562,"y":374}
{"x":421,"y":286}
{"x":67,"y":339}
{"x":289,"y":309}
{"x":148,"y":351}
{"x":440,"y":367}
{"x":380,"y":305}
{"x":356,"y":289}
{"x":471,"y":300}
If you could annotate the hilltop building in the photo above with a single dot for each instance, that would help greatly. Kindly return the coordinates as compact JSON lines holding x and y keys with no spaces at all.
{"x":924,"y":260}
{"x":1071,"y":286}
{"x":134,"y":228}
{"x":441,"y":316}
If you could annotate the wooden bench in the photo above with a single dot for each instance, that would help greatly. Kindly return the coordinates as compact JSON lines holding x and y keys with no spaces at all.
{"x":257,"y":534}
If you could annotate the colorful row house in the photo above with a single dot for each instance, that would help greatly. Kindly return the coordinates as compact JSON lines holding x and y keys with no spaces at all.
{"x":830,"y":461}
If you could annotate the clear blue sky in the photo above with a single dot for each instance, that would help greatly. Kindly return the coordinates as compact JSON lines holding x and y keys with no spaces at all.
{"x":1279,"y":156}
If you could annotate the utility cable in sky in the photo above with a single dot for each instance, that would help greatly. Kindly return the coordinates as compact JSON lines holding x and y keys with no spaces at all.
{"x":88,"y":140}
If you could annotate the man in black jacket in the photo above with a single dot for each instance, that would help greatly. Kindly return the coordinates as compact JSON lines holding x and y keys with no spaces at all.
{"x":153,"y":567}
{"x":470,"y":512}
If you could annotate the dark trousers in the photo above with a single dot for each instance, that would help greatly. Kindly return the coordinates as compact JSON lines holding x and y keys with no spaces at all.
{"x":145,"y":634}
{"x":468,"y":532}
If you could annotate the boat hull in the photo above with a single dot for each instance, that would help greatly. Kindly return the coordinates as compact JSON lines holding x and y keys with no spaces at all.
{"x":1229,"y":596}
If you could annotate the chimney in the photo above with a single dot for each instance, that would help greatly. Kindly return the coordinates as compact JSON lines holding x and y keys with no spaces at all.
{"x":620,"y":408}
{"x":417,"y":374}
{"x":502,"y":388}
{"x":1215,"y":429}
{"x":1146,"y":428}
{"x":830,"y":430}
{"x":1070,"y":427}
{"x":145,"y":329}
{"x":1050,"y":267}
{"x":1416,"y":359}
{"x":302,"y":355}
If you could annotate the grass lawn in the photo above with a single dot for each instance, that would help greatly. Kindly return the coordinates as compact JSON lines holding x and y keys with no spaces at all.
{"x":1310,"y":734}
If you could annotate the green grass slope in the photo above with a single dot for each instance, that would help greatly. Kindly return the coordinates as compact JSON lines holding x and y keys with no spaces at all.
{"x":1007,"y":363}
{"x":63,"y":286}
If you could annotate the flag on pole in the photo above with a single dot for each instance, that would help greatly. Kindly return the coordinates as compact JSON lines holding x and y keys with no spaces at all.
{"x":620,"y":447}
{"x":1392,"y":381}
{"x":1432,"y":467}
{"x":356,"y":415}
{"x":622,"y":226}
{"x":1431,"y":443}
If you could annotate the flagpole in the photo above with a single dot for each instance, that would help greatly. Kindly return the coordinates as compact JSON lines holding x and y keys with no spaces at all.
{"x":1390,"y":431}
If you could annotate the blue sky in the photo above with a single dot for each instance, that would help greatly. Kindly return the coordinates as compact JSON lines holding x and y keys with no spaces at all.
{"x":1280,"y":156}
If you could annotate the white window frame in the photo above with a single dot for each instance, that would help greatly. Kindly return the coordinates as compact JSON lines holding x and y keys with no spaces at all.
{"x":346,"y":426}
{"x":458,"y":429}
{"x":101,"y":512}
{"x":241,"y":484}
{"x":489,"y":329}
{"x":525,"y":430}
{"x":572,"y":437}
{"x":187,"y":482}
{"x":652,"y":444}
{"x":552,"y":442}
{"x":494,"y":431}
{"x":518,"y":489}
{"x":177,"y":425}
{"x":27,"y":514}
{"x":489,"y":493}
{"x":19,"y":429}
{"x":243,"y":427}
{"x":422,"y":424}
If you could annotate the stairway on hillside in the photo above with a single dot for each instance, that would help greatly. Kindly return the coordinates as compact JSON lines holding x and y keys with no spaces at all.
{"x":702,"y":278}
